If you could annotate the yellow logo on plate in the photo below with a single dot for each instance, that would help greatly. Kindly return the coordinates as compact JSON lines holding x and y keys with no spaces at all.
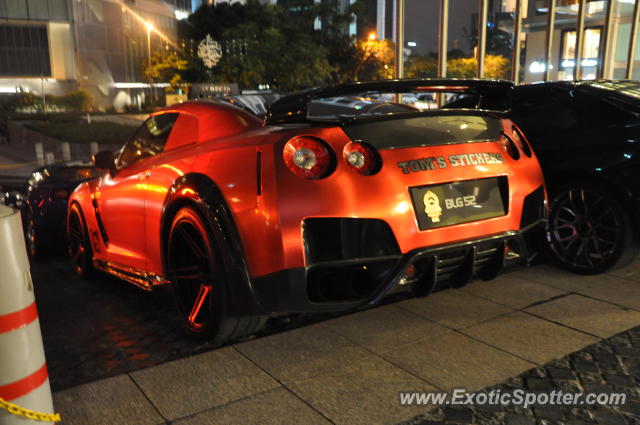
{"x":432,"y":206}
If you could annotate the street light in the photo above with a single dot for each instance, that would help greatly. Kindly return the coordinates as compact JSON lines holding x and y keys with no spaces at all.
{"x":150,"y":28}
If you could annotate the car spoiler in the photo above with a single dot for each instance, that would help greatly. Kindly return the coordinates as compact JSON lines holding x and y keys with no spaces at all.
{"x":494,"y":95}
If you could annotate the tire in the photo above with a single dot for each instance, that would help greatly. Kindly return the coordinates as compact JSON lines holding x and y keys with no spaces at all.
{"x":589,"y":229}
{"x":199,"y":274}
{"x":80,"y":250}
{"x":37,"y":246}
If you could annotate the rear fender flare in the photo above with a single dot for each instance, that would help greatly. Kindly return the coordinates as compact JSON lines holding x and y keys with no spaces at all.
{"x":199,"y":191}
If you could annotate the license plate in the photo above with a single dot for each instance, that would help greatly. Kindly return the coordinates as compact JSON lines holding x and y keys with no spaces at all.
{"x":459,"y":202}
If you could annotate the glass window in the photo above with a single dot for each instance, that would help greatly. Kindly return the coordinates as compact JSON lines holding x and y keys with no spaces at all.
{"x":148,"y":141}
{"x":17,"y":9}
{"x":38,"y":9}
{"x":58,"y":10}
{"x":590,"y":53}
{"x":69,"y":174}
{"x":27,"y":47}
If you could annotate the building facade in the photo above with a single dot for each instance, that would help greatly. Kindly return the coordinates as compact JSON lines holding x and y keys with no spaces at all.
{"x":58,"y":46}
{"x":601,"y":56}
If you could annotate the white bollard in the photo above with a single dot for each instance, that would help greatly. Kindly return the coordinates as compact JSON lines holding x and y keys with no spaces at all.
{"x":24,"y":381}
{"x":49,"y":158}
{"x":66,"y":151}
{"x":40,"y":153}
{"x":93,"y":148}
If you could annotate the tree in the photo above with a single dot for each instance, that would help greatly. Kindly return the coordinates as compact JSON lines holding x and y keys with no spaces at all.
{"x":165,"y":66}
{"x":418,"y":66}
{"x":276,"y":50}
{"x":495,"y":66}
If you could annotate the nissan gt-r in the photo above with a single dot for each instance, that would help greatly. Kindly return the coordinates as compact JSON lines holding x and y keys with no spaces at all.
{"x":312,"y":209}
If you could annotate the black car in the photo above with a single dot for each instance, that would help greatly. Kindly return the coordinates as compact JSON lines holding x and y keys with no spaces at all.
{"x":587,"y":138}
{"x":44,"y":208}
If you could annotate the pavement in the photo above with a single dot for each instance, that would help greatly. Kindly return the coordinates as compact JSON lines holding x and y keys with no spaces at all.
{"x":350,"y":369}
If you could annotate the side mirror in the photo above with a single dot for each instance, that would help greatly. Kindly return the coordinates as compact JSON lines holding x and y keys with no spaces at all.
{"x":104,"y":160}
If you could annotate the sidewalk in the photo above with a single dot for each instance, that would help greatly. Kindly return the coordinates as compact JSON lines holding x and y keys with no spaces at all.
{"x":349,"y":370}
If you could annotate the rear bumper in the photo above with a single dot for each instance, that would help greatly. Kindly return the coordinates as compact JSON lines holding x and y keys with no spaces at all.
{"x":340,"y":285}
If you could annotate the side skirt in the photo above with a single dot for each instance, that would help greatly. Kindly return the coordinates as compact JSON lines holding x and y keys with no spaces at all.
{"x":140,"y":278}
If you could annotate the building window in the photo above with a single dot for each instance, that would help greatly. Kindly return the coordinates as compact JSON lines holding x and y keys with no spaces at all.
{"x":35,"y":10}
{"x":24,"y":51}
{"x":590,"y":53}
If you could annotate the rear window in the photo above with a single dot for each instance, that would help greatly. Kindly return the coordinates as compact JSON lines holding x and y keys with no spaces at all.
{"x":432,"y":130}
{"x":75,"y":173}
{"x":381,"y":103}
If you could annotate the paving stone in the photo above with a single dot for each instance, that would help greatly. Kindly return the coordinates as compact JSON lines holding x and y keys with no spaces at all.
{"x":374,"y":385}
{"x":548,"y":412}
{"x":583,"y":366}
{"x":529,"y":337}
{"x":556,"y":374}
{"x":519,"y":420}
{"x":454,"y":308}
{"x":303,"y":352}
{"x":631,"y":272}
{"x":384,"y":328}
{"x":275,"y":407}
{"x":554,"y":276}
{"x":456,"y":360}
{"x":561,"y":373}
{"x":188,"y":386}
{"x":513,"y":291}
{"x":110,"y":401}
{"x":615,"y":290}
{"x":606,"y":417}
{"x":588,"y":315}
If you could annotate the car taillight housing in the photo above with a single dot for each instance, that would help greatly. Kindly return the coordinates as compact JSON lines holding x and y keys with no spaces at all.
{"x":520,"y":141}
{"x":362,"y":158}
{"x":62,"y":194}
{"x":308,"y":157}
{"x":509,"y":146}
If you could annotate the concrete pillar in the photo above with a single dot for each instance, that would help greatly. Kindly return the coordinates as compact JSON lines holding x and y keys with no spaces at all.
{"x":93,"y":148}
{"x":49,"y":158}
{"x":66,"y":151}
{"x":40,"y":153}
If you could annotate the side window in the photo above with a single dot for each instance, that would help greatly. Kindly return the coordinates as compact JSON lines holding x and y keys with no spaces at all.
{"x":149,"y":139}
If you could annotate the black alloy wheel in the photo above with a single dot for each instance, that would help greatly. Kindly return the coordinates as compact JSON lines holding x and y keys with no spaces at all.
{"x":197,"y":274}
{"x":79,"y":245}
{"x":589,"y":230}
{"x":30,"y":236}
{"x":198,"y":268}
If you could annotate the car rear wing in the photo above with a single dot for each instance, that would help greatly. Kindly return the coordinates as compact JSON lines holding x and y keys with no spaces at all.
{"x":493,"y":95}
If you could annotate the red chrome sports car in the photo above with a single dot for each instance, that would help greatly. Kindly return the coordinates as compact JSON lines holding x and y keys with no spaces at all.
{"x":325,"y":206}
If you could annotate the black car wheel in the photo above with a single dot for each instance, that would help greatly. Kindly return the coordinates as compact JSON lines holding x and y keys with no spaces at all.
{"x":30,"y":236}
{"x":589,"y":230}
{"x":196,"y":268}
{"x":79,"y":245}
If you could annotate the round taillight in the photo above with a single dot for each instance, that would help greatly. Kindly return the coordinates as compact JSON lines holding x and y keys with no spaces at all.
{"x":520,"y":141}
{"x":361,"y":158}
{"x":308,"y":157}
{"x":509,"y":146}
